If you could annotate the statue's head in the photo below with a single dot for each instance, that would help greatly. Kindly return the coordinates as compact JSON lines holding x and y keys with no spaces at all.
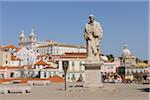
{"x":91,"y":18}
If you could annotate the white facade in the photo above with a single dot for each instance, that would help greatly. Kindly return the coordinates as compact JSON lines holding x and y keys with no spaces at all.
{"x":27,"y":56}
{"x":11,"y":72}
{"x":139,"y":69}
{"x":47,"y":73}
{"x":110,"y":67}
{"x":16,"y":63}
{"x":76,"y":68}
{"x":47,"y":47}
{"x":131,"y":70}
{"x":59,"y":49}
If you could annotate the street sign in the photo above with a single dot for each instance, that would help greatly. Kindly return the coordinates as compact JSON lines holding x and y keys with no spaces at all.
{"x":65,"y":65}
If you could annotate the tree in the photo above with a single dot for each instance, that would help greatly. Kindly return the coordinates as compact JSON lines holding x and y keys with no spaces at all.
{"x":145,"y":61}
{"x":110,"y":57}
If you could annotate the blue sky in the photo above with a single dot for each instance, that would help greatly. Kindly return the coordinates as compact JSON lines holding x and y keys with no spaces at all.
{"x":123,"y":22}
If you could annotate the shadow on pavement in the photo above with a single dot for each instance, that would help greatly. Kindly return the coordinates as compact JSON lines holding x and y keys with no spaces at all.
{"x":145,"y":89}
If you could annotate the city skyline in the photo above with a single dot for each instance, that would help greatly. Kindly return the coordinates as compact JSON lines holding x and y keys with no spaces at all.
{"x":123,"y":22}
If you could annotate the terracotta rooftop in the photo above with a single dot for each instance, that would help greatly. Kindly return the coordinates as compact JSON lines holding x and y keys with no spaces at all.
{"x":76,"y":54}
{"x":11,"y":67}
{"x":42,"y":46}
{"x":41,"y":62}
{"x":44,"y":55}
{"x":14,"y":58}
{"x":1,"y":46}
{"x":142,"y":64}
{"x":22,"y":80}
{"x":73,"y":55}
{"x":10,"y":46}
{"x":18,"y":49}
{"x":56,"y":79}
{"x":50,"y":61}
{"x":49,"y":67}
{"x":15,"y":67}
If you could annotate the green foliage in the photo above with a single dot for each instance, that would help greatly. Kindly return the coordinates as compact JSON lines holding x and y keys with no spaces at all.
{"x":110,"y":57}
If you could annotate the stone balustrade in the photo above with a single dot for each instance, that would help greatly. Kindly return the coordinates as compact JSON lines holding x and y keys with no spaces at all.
{"x":15,"y":88}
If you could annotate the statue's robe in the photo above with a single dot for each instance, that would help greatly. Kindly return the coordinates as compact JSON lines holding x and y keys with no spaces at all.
{"x":93,"y":34}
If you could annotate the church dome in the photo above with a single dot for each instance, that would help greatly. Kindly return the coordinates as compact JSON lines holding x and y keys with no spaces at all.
{"x":22,"y":35}
{"x":32,"y":33}
{"x":126,"y":52}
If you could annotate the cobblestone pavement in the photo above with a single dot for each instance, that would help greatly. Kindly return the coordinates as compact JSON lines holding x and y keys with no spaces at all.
{"x":109,"y":92}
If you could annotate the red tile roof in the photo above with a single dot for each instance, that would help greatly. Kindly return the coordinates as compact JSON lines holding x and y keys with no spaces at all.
{"x":41,"y":62}
{"x":74,"y":55}
{"x":18,"y":49}
{"x":10,"y":46}
{"x":51,"y":61}
{"x":142,"y":64}
{"x":44,"y":55}
{"x":49,"y":67}
{"x":16,"y":67}
{"x":22,"y":80}
{"x":43,"y":46}
{"x":11,"y":67}
{"x":56,"y":79}
{"x":14,"y":58}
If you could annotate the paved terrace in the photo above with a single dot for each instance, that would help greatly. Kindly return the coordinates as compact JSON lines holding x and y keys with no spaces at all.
{"x":109,"y":92}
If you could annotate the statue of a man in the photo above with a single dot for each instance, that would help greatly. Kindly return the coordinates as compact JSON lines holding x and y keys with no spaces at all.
{"x":93,"y":36}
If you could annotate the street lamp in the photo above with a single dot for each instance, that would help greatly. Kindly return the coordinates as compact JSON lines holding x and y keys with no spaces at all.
{"x":65,"y":68}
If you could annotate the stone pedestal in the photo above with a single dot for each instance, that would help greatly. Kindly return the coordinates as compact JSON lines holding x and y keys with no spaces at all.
{"x":93,"y":74}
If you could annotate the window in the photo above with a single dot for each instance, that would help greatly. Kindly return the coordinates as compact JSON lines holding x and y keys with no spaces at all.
{"x":11,"y":74}
{"x":80,"y":78}
{"x":6,"y":61}
{"x":73,"y":77}
{"x":73,"y":66}
{"x":80,"y":66}
{"x":132,"y":71}
{"x":111,"y":67}
{"x":57,"y":64}
{"x":72,"y":63}
{"x":68,"y":77}
{"x":45,"y":74}
{"x":80,"y":63}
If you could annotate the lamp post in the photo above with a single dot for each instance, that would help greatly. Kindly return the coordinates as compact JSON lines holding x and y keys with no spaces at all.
{"x":65,"y":68}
